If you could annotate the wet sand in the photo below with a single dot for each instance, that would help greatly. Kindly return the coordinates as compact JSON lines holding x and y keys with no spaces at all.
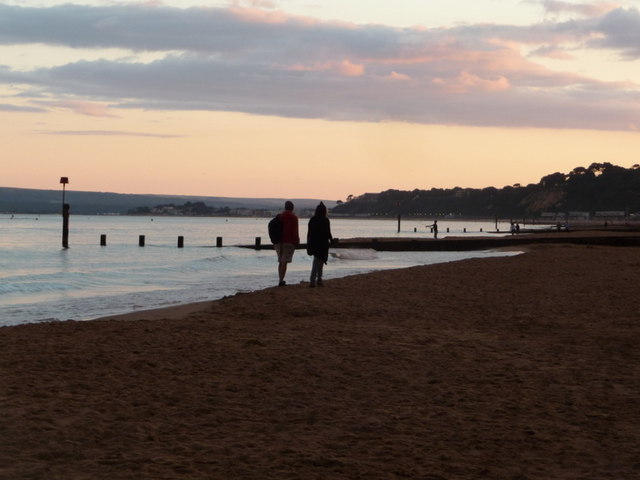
{"x":522,"y":367}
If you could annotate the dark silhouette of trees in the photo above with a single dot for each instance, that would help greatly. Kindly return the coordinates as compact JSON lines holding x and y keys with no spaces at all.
{"x":599,"y":187}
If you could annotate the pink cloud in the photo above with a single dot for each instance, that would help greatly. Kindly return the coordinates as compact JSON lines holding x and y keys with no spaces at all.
{"x":504,"y":57}
{"x":219,"y":59}
{"x":270,"y":17}
{"x":468,"y":82}
{"x":255,"y":3}
{"x":92,"y":109}
{"x":349,"y":69}
{"x":345,"y":68}
{"x":259,"y":16}
{"x":398,"y":76}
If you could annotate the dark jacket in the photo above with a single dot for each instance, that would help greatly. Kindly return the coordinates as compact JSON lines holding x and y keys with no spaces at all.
{"x":319,"y":237}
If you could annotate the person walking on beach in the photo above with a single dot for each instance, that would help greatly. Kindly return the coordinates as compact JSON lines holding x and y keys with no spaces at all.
{"x":288,"y":242}
{"x":318,"y":239}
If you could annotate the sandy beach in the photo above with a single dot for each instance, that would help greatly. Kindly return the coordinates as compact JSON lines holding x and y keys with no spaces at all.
{"x":523,"y":367}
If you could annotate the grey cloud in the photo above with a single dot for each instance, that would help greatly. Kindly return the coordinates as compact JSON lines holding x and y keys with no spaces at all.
{"x":225,"y":32}
{"x":301,"y":68}
{"x":126,"y":26}
{"x":587,"y":9}
{"x":211,"y":30}
{"x":192,"y":83}
{"x":5,"y":107}
{"x":621,"y":31}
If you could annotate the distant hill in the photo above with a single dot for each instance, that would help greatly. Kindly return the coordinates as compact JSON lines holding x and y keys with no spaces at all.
{"x":25,"y":200}
{"x":602,"y":189}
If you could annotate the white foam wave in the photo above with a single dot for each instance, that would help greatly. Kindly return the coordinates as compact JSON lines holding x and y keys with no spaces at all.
{"x":354,"y":254}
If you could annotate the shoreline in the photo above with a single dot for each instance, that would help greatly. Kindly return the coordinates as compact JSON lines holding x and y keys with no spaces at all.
{"x":506,"y":367}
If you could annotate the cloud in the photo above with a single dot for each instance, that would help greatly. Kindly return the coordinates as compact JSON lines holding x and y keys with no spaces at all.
{"x":104,"y":133}
{"x":591,"y":9}
{"x":619,"y":30}
{"x":398,"y":76}
{"x":92,"y":109}
{"x":467,"y":82}
{"x":255,"y":3}
{"x":344,"y":67}
{"x":263,"y":61}
{"x":6,"y":107}
{"x":551,"y":52}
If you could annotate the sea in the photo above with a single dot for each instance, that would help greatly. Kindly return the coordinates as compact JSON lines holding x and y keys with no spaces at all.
{"x":40,"y":281}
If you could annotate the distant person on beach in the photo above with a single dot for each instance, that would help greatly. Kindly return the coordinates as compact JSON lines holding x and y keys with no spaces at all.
{"x":434,"y":228}
{"x":318,"y":240}
{"x":289,"y":241}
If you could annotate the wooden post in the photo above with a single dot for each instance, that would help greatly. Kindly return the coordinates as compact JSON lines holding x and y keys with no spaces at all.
{"x":258,"y":242}
{"x":103,"y":240}
{"x":398,"y":223}
{"x":65,"y":214}
{"x":218,"y":242}
{"x":141,"y":241}
{"x":180,"y":241}
{"x":65,"y":225}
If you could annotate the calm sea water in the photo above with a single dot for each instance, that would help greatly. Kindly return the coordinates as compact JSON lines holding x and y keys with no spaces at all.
{"x":41,"y":281}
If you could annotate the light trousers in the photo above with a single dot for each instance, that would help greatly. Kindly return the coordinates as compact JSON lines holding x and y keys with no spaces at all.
{"x":316,"y":269}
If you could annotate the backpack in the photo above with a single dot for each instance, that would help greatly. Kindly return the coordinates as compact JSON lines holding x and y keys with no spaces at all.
{"x":275,"y":229}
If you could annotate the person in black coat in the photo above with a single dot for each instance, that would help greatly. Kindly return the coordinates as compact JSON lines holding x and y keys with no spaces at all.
{"x":318,"y":240}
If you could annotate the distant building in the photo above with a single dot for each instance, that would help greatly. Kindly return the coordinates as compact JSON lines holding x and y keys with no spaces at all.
{"x":579,"y":215}
{"x":561,"y":216}
{"x":610,"y":215}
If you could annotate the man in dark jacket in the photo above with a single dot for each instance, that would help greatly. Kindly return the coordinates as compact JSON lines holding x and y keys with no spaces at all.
{"x":318,"y":239}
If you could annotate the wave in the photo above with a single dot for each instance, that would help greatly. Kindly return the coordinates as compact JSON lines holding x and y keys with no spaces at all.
{"x":354,"y":254}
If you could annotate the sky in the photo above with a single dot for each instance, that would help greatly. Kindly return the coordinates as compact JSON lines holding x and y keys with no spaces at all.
{"x":314,"y":98}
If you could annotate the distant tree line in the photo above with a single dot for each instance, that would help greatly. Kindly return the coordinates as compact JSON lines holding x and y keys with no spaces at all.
{"x":599,"y":187}
{"x":189,"y":209}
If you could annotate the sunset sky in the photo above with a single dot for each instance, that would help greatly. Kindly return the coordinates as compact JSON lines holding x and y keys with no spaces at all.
{"x":314,"y":98}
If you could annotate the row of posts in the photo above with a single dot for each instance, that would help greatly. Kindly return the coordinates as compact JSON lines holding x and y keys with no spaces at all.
{"x":415,"y":229}
{"x":142,"y":241}
{"x":103,"y":237}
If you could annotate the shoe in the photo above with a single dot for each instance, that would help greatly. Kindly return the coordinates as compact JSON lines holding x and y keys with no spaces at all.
{"x":312,"y":285}
{"x":282,"y":283}
{"x":320,"y":284}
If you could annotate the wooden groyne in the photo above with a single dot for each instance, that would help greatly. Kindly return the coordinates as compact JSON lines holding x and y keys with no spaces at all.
{"x":452,"y":244}
{"x":623,"y":238}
